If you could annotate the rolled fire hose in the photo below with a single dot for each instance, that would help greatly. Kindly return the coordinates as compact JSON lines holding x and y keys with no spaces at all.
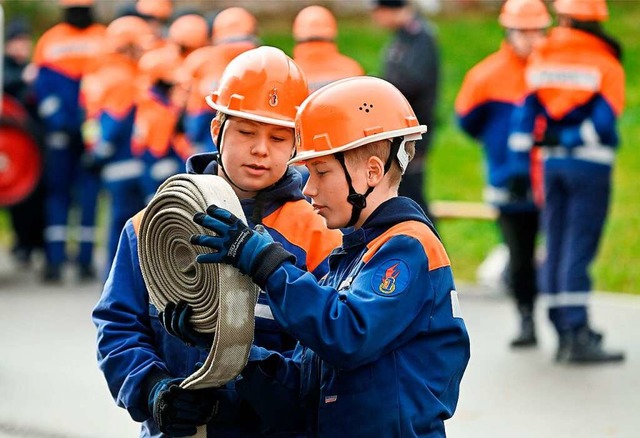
{"x":223,"y":299}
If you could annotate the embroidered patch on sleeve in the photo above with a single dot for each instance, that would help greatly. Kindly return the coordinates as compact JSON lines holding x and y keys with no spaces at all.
{"x":391,"y":278}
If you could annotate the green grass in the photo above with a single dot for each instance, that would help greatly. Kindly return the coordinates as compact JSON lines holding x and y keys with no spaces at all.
{"x":455,"y":169}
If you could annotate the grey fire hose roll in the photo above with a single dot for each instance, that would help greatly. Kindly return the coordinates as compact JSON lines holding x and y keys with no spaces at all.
{"x":222,"y":298}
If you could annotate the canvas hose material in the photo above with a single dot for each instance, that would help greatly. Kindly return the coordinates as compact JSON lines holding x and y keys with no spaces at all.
{"x":222,"y":299}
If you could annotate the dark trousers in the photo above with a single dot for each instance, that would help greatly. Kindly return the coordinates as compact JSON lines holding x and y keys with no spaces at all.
{"x":519,"y":230}
{"x":576,"y":205}
{"x":27,"y":219}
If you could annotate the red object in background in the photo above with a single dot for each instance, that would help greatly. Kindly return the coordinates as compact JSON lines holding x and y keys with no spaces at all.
{"x":20,"y":158}
{"x":537,"y":163}
{"x":537,"y":176}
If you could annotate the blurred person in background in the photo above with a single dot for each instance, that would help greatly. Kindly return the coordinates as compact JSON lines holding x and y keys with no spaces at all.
{"x":412,"y":64}
{"x":63,"y":55}
{"x":27,"y":216}
{"x":576,"y":87}
{"x":484,"y":105}
{"x":156,"y":139}
{"x":113,"y":88}
{"x":234,"y":31}
{"x":315,"y":31}
{"x":157,"y":13}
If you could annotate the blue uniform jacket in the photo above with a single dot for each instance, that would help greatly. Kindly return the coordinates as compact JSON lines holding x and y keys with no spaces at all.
{"x":490,"y":92}
{"x":131,"y":342}
{"x":383,"y":345}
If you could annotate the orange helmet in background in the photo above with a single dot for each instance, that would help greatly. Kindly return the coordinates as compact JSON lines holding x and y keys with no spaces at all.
{"x":315,"y":23}
{"x":190,"y":31}
{"x":262,"y":84}
{"x":161,"y":64}
{"x":234,"y":24}
{"x":158,"y":9}
{"x":583,"y":10}
{"x":76,"y":3}
{"x":524,"y":15}
{"x":128,"y":30}
{"x":350,"y":113}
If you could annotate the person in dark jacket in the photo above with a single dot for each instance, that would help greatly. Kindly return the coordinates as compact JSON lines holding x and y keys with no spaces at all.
{"x":27,"y":216}
{"x":412,"y":64}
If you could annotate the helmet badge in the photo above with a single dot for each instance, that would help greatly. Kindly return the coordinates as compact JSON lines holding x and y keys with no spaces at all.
{"x":273,"y":97}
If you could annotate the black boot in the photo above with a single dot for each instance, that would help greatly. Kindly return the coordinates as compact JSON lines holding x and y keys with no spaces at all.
{"x":584,"y":346}
{"x":52,"y":273}
{"x":86,"y":273}
{"x":527,"y":335}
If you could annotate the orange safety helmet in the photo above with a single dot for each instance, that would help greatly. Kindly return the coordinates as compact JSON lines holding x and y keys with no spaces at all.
{"x":261,"y":84}
{"x":584,"y":10}
{"x":524,"y":15}
{"x":161,"y":64}
{"x":76,"y":3}
{"x":350,"y":113}
{"x":128,"y":30}
{"x":233,"y":24}
{"x":159,"y":9}
{"x":190,"y":31}
{"x":315,"y":23}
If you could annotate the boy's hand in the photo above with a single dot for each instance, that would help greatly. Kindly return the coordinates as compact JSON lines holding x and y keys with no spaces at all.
{"x":253,"y":253}
{"x":176,"y":321}
{"x":177,"y":411}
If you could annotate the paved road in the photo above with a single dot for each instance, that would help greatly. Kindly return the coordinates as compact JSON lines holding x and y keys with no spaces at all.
{"x":50,"y":386}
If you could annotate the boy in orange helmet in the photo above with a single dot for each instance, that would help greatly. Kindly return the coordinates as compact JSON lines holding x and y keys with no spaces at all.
{"x":382,"y":343}
{"x":576,"y":86}
{"x":256,"y":103}
{"x":490,"y":92}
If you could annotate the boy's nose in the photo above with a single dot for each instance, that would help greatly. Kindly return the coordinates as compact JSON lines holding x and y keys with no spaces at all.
{"x":260,"y":147}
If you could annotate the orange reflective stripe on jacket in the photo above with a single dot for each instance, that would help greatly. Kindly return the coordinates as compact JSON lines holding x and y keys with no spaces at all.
{"x":433,"y":248}
{"x":302,"y":227}
{"x":503,"y":67}
{"x":322,"y":63}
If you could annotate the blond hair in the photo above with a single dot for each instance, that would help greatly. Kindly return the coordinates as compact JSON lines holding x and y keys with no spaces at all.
{"x":381,"y":149}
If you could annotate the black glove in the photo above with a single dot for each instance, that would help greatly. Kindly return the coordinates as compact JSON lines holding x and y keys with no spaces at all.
{"x":178,"y":411}
{"x":176,"y":321}
{"x":91,"y":163}
{"x":253,"y":253}
{"x":519,"y":188}
{"x":550,"y":137}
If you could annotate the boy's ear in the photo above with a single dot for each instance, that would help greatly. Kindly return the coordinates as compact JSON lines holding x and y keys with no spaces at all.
{"x":375,"y":171}
{"x":215,"y":128}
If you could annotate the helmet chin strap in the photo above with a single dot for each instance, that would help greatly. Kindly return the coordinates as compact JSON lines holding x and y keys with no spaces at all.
{"x":357,"y":200}
{"x":219,"y":142}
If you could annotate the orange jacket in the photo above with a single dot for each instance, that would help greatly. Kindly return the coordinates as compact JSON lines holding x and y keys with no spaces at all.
{"x":203,"y":69}
{"x":570,"y":68}
{"x":69,"y":51}
{"x":322,"y":63}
